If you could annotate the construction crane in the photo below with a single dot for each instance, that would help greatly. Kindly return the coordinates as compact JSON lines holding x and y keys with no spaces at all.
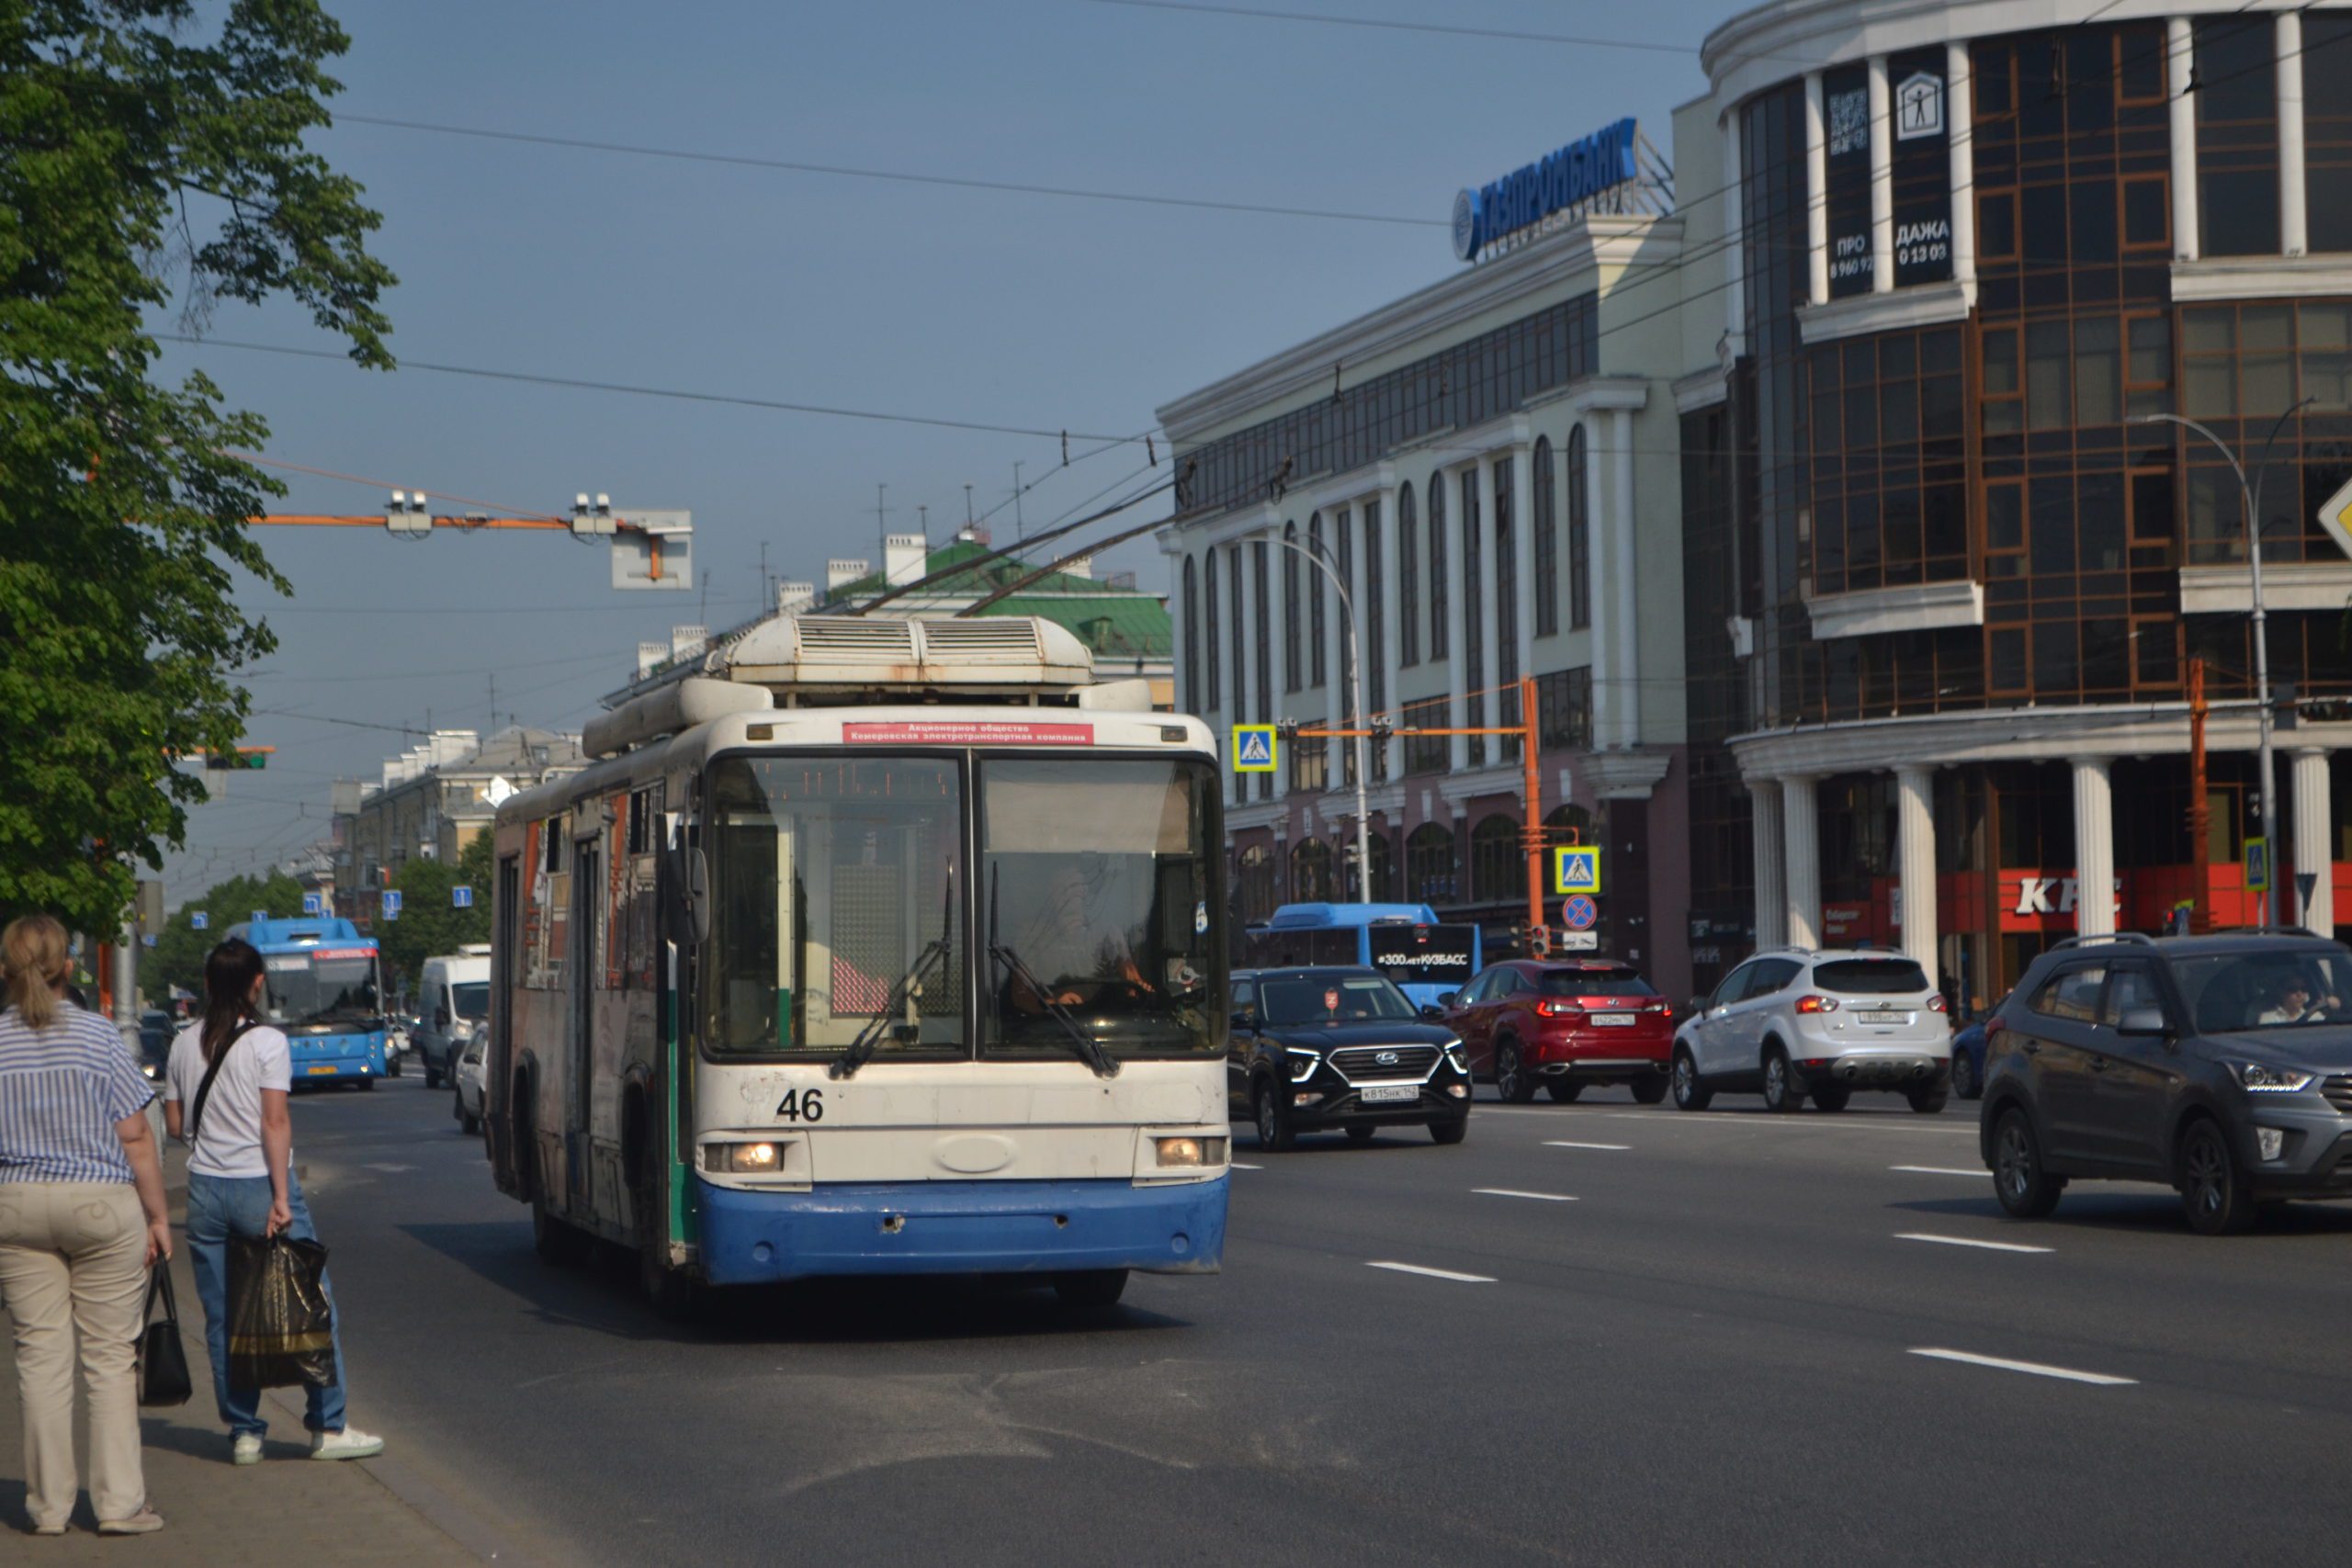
{"x":651,"y":548}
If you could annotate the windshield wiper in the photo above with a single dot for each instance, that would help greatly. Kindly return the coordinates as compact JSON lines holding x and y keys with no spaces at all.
{"x":1088,"y":1049}
{"x":869,"y":1039}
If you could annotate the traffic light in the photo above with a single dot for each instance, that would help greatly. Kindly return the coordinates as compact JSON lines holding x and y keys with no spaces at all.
{"x":246,"y":758}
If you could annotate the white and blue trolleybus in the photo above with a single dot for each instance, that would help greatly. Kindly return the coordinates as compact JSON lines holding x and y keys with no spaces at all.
{"x":869,"y":947}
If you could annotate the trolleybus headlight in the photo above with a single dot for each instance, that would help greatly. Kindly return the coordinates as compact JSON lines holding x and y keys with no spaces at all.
{"x":1192,"y":1151}
{"x":742,"y":1160}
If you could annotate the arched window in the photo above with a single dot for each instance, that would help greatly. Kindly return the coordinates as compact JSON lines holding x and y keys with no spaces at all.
{"x":1191,"y":638}
{"x":1310,"y":872}
{"x":1290,"y":609}
{"x":1564,"y":817}
{"x":1409,"y":586}
{"x":1547,"y":544}
{"x":1437,"y":565}
{"x":1383,"y":873}
{"x":1315,"y":601}
{"x":1579,"y":534}
{"x":1208,"y":642}
{"x":1432,"y":868}
{"x":1253,"y":883}
{"x":1498,"y":868}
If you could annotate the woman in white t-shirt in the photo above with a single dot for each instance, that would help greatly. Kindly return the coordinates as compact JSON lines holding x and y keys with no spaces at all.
{"x":241,"y":1181}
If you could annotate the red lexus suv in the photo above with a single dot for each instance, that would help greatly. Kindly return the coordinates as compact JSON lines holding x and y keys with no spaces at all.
{"x":1565,"y":1023}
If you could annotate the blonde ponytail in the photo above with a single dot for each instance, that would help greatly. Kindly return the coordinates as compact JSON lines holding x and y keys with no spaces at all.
{"x":33,"y":955}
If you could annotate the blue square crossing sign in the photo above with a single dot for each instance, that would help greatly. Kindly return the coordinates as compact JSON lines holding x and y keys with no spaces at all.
{"x":1253,"y":747}
{"x":1575,"y":868}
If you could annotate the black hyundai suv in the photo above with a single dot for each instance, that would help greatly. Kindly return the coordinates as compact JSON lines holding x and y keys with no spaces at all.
{"x":1317,"y":1048}
{"x":2221,"y":1065}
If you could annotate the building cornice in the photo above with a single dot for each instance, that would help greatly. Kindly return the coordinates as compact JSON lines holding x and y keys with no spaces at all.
{"x":1919,"y":606}
{"x":1702,"y":389}
{"x":1994,"y":735}
{"x":2260,"y":278}
{"x":1859,"y":315}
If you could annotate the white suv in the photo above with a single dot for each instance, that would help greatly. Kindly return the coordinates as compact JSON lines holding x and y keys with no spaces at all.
{"x":1795,"y":1023}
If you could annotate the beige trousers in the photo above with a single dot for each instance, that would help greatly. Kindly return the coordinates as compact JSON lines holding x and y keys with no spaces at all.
{"x":72,"y":1261}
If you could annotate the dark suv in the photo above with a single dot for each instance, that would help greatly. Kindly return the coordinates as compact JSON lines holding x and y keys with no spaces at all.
{"x":1341,"y":1047}
{"x":2221,"y":1065}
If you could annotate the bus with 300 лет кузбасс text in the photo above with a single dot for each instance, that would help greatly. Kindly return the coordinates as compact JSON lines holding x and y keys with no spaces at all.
{"x":870,"y":947}
{"x":324,"y":988}
{"x":1426,"y":958}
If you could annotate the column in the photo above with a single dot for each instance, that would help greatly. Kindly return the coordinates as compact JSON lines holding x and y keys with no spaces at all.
{"x":1457,"y":746}
{"x":1522,"y":544}
{"x":1960,"y":105}
{"x":2314,"y":838}
{"x":1490,"y":570}
{"x":1816,"y":185}
{"x":2179,"y":58}
{"x":1735,"y":294}
{"x":1391,"y":541}
{"x":1801,"y":860}
{"x":2293,"y":224}
{"x":1882,"y":179}
{"x":2094,"y":848}
{"x":1915,"y":861}
{"x":1625,"y":580}
{"x":1771,"y":893}
{"x":1604,"y":601}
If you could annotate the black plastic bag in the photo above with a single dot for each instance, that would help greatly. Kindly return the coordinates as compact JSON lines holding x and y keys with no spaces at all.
{"x":281,"y":1325}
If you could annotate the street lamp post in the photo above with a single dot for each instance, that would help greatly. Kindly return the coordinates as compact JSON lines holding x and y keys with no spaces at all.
{"x":2248,"y":501}
{"x":1355,"y":694}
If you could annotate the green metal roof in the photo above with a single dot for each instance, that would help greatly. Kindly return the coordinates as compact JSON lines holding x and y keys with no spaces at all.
{"x":1111,"y":621}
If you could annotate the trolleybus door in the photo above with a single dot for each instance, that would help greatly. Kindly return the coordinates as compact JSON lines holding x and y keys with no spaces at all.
{"x":587,"y":894}
{"x":498,"y":1073}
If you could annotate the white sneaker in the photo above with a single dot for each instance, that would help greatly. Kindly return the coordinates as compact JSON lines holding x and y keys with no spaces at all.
{"x":349,"y":1443}
{"x":246,"y":1449}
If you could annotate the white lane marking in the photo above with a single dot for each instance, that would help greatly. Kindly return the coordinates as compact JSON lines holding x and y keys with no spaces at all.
{"x":1436,"y":1273}
{"x":1238,"y":1166}
{"x":2002,"y":1363}
{"x":393,"y":1169}
{"x":1866,"y":1122}
{"x":1515,"y":1193}
{"x":1967,"y":1241}
{"x":1941,"y":1171}
{"x":1565,"y":1144}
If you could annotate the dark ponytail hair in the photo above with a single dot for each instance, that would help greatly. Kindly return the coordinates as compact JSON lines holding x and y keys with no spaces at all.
{"x":229,"y":971}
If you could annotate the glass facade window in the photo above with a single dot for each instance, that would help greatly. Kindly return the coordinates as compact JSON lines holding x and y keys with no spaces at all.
{"x":1207,"y":694}
{"x":1253,"y":882}
{"x":1432,"y":865}
{"x":1563,"y":709}
{"x":1845,"y":131}
{"x":2327,"y":131}
{"x":2237,"y":134}
{"x":1310,"y":763}
{"x":1315,"y":579}
{"x":1438,"y":607}
{"x":1426,"y":753}
{"x":1473,"y":620}
{"x":1545,"y":522}
{"x":1580,"y":531}
{"x":1498,"y":868}
{"x":1409,"y":586}
{"x":1459,"y":387}
{"x":1310,"y":872}
{"x":1291,"y":567}
{"x":1890,"y":473}
{"x":2242,"y":367}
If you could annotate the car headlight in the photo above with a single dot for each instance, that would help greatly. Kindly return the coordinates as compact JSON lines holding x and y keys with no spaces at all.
{"x":1302,"y":1063}
{"x":1189,"y":1151}
{"x":2260,"y":1078}
{"x":742,"y":1160}
{"x":1457,"y":1058}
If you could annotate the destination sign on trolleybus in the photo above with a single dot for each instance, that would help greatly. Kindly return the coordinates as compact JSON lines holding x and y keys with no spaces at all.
{"x":954,"y":732}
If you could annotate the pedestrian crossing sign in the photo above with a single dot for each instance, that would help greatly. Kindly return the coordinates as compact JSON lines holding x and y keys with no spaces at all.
{"x":1253,"y":747}
{"x":1575,"y":868}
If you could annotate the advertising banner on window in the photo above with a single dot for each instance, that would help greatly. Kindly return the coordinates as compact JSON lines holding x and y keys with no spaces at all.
{"x":1845,"y":126}
{"x":1920,"y":109}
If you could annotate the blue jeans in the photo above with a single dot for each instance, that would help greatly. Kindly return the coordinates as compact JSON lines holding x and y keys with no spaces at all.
{"x":218,"y":1208}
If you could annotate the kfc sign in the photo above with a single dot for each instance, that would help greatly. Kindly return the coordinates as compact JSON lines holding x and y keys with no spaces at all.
{"x":2055,"y":895}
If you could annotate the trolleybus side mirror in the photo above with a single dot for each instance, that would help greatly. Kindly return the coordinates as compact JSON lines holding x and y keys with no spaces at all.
{"x":699,"y":893}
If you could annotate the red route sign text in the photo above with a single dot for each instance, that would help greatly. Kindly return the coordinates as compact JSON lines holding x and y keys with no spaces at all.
{"x":944,"y":732}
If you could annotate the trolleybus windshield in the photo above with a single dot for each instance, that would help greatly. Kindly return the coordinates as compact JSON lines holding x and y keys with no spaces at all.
{"x":1095,"y":881}
{"x":830,"y":876}
{"x":322,"y":990}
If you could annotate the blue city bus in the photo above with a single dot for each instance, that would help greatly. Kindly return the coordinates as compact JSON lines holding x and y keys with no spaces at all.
{"x":325,"y":990}
{"x":1429,"y":959}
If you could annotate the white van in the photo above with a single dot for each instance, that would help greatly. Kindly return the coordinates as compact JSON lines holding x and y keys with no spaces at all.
{"x":453,"y":1005}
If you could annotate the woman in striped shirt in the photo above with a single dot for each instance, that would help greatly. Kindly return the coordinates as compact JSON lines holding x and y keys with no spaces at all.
{"x":82,"y":1221}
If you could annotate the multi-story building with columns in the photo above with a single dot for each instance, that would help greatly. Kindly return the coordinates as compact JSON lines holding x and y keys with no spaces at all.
{"x":1895,"y":564}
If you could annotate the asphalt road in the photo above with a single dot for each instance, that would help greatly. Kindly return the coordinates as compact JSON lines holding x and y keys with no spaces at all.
{"x":1657,"y":1337}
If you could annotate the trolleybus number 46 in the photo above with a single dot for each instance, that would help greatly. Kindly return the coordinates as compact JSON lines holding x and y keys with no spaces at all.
{"x":802,"y":1106}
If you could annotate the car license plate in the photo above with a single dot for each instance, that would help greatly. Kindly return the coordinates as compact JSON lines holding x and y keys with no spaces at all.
{"x":320,"y":1068}
{"x":1883,"y":1017}
{"x":1382,"y":1093}
{"x":1612,"y":1019}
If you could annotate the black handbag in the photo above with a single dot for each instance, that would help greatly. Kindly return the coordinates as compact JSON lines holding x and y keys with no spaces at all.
{"x":163,"y":1355}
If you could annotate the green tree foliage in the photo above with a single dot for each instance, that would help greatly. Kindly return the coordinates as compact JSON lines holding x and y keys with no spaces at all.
{"x":151,"y":161}
{"x":178,"y":957}
{"x":430,"y":925}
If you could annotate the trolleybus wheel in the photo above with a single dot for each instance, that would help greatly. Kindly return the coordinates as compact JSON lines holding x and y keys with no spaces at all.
{"x":1093,"y":1289}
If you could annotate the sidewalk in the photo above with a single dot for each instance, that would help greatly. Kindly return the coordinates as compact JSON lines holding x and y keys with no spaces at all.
{"x":287,"y":1507}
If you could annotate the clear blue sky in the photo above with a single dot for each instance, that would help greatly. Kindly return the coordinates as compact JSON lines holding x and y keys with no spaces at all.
{"x":1011,"y":308}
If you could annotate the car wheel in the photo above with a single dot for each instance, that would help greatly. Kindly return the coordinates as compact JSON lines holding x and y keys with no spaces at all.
{"x":1928,"y":1102}
{"x":469,"y":1124}
{"x":1649,"y":1090}
{"x":1964,"y":1075}
{"x":1781,"y":1091}
{"x":1564,"y":1091}
{"x":2026,"y":1190}
{"x":1690,"y":1092}
{"x":1512,"y":1081}
{"x":367,"y":1083}
{"x":392,"y":1065}
{"x":1275,"y":1133}
{"x":432,"y":1077}
{"x":671,"y":1292}
{"x":1092,"y":1290}
{"x":1832,"y":1098}
{"x":1450,"y":1131}
{"x":2213,"y":1190}
{"x":1361,"y":1133}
